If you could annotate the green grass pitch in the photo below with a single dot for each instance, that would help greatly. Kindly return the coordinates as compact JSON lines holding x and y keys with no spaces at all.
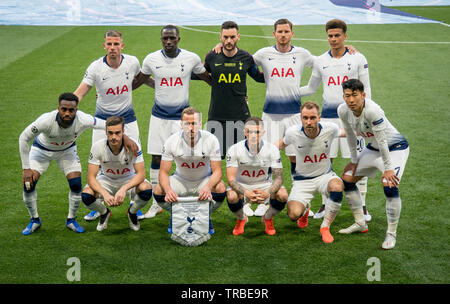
{"x":409,"y":80}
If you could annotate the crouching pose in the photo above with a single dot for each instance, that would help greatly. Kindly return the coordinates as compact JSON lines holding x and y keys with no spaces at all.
{"x":249,"y":163}
{"x":120,"y":172}
{"x":387,"y":151}
{"x":313,"y":172}
{"x":198,"y":172}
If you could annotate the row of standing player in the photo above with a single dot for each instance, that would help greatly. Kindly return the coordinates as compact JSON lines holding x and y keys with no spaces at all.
{"x":171,"y":68}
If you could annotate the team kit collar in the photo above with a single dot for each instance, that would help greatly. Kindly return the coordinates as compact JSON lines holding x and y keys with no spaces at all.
{"x":261,"y":144}
{"x":320,"y":130}
{"x":106,"y":61}
{"x":346,"y":51}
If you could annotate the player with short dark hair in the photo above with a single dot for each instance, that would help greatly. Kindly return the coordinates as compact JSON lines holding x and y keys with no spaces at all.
{"x":228,"y":107}
{"x":387,"y":151}
{"x":333,"y":68}
{"x":121,"y":173}
{"x":54,"y":135}
{"x":171,"y":68}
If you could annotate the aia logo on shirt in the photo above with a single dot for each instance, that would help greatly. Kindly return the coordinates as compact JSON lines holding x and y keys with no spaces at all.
{"x":253,"y":173}
{"x":282,"y":72}
{"x":117,"y":90}
{"x":171,"y":82}
{"x":193,"y":165}
{"x":315,"y":158}
{"x":118,"y":171}
{"x":336,"y":80}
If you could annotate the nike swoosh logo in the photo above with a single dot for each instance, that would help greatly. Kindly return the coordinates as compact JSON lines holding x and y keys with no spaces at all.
{"x":158,"y":67}
{"x":324,"y":67}
{"x":105,"y":78}
{"x":271,"y":58}
{"x":217,"y":64}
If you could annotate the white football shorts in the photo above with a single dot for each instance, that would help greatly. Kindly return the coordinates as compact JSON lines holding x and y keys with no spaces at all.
{"x":159,"y":131}
{"x":276,"y":126}
{"x":131,"y":130}
{"x":68,"y":160}
{"x":341,"y":142}
{"x":183,"y":187}
{"x":370,"y":162}
{"x":303,"y":190}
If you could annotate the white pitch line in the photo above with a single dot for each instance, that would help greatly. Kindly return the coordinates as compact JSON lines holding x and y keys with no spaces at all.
{"x":325,"y":40}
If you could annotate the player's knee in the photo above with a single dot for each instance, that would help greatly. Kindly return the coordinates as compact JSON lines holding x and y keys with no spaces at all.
{"x":75,"y":184}
{"x":349,"y":186}
{"x":145,"y":195}
{"x":282,"y":195}
{"x":336,"y":196}
{"x":391,"y":191}
{"x":294,"y":210}
{"x":87,"y":198}
{"x":232,"y":196}
{"x":234,"y":207}
{"x":276,"y":204}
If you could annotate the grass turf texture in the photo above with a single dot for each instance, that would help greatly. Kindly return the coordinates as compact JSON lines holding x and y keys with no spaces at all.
{"x":410,"y":82}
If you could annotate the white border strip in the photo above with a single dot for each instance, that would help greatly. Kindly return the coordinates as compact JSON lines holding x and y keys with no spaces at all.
{"x":325,"y":40}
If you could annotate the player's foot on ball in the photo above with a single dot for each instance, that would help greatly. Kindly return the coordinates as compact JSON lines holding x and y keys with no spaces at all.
{"x":320,"y":213}
{"x":103,"y":222}
{"x":72,"y":224}
{"x":154,"y":210}
{"x":302,"y":222}
{"x":240,"y":224}
{"x":261,"y":210}
{"x":134,"y":222}
{"x":247,"y":210}
{"x":355,"y":227}
{"x":270,"y":229}
{"x":326,"y":235}
{"x":91,"y":216}
{"x":389,"y":241}
{"x":34,"y":224}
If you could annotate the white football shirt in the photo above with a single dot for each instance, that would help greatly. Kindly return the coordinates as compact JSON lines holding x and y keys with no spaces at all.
{"x":113,"y":86}
{"x":172,"y":78}
{"x":192,"y":164}
{"x":371,"y":119}
{"x":253,"y":168}
{"x":116,"y":167}
{"x":333,"y":72}
{"x":282,"y":74}
{"x":312,"y":155}
{"x":48,"y":135}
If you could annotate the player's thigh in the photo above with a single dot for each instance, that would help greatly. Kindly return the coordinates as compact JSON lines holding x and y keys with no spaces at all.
{"x":40,"y":159}
{"x":179,"y":186}
{"x":132,"y":130}
{"x":369,"y":163}
{"x":68,"y":161}
{"x":110,"y":185}
{"x":98,"y":134}
{"x":288,"y":121}
{"x":273,"y":127}
{"x":159,"y":131}
{"x":303,"y":192}
{"x":398,"y":160}
{"x":330,"y":182}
